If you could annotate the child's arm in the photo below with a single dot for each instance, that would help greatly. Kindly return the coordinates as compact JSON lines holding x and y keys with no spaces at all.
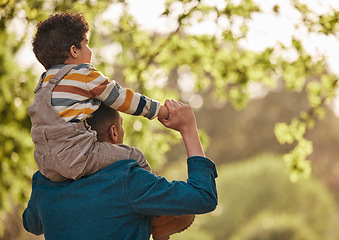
{"x":163,"y":113}
{"x":121,"y":99}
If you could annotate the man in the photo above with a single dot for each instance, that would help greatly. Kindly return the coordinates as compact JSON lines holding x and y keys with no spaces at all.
{"x":120,"y":201}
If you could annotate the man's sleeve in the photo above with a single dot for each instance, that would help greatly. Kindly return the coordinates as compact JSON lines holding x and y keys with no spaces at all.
{"x":149,"y":194}
{"x":121,"y":99}
{"x":31,"y":220}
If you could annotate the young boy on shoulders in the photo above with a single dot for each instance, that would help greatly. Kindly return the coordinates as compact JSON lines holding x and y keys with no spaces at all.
{"x":67,"y":94}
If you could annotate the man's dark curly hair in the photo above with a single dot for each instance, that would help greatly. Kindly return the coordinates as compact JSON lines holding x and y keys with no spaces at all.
{"x":56,"y":35}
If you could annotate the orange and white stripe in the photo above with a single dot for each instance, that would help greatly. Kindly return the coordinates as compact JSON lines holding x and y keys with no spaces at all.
{"x":82,"y":90}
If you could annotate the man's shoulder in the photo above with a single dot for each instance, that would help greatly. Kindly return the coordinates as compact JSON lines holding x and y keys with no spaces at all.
{"x":119,"y":166}
{"x":122,"y":166}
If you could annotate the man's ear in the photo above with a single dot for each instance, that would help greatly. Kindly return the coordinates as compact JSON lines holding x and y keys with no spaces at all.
{"x":113,"y":134}
{"x":73,"y":52}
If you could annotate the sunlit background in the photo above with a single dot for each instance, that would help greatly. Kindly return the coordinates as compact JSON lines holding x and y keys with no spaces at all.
{"x":260,"y":194}
{"x":266,"y":29}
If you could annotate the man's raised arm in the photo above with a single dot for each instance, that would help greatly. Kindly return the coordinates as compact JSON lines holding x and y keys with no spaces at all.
{"x":157,"y":196}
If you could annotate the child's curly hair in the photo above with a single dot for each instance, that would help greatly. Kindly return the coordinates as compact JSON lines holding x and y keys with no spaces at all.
{"x":56,"y":35}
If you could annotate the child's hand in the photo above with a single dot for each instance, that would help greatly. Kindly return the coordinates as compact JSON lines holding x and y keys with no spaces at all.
{"x":163,"y":113}
{"x":181,"y":119}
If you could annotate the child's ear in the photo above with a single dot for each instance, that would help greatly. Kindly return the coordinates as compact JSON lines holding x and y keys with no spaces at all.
{"x":73,"y":52}
{"x":113,"y":134}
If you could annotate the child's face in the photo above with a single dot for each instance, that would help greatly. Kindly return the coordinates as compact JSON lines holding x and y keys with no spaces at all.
{"x":85,"y":53}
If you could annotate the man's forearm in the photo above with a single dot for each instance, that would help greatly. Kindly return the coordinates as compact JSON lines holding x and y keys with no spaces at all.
{"x":192,"y":142}
{"x":196,"y":196}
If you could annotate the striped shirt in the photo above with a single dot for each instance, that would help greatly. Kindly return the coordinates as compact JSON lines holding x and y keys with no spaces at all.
{"x":82,"y":90}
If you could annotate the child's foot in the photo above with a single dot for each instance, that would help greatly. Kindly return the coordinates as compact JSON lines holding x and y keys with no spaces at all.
{"x":164,"y":226}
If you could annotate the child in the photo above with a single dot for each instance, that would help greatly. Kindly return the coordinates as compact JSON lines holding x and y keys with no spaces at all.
{"x":67,"y":94}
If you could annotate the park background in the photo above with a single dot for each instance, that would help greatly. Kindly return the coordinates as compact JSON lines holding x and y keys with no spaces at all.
{"x":260,"y":75}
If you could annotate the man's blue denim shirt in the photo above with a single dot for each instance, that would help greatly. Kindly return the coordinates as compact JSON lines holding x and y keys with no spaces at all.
{"x":117,"y":202}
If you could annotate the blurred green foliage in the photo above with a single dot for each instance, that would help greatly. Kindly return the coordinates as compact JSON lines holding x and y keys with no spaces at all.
{"x":151,"y":63}
{"x":257,"y":201}
{"x":269,"y":226}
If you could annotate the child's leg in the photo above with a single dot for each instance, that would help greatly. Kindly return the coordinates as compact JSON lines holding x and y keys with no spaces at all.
{"x":74,"y":152}
{"x":164,"y":226}
{"x":104,"y":154}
